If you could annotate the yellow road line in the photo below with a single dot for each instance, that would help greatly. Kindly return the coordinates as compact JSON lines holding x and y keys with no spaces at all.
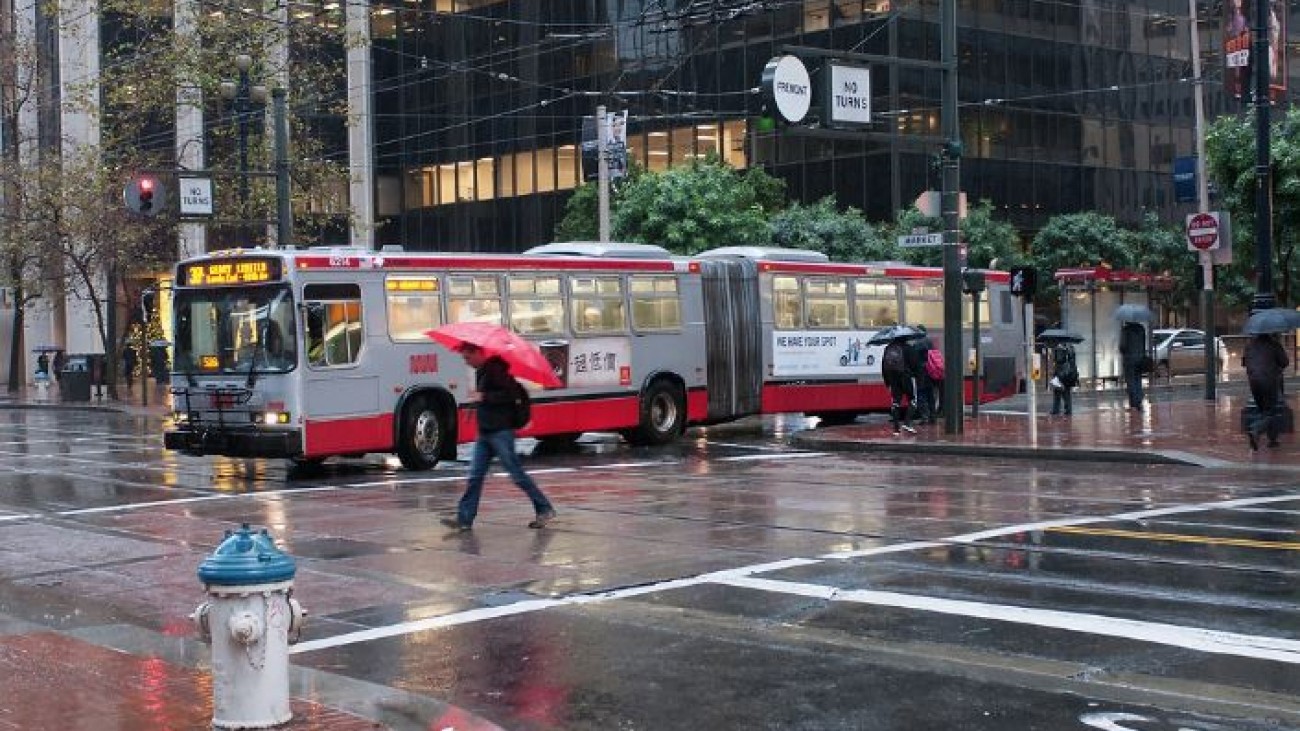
{"x":1178,"y":538}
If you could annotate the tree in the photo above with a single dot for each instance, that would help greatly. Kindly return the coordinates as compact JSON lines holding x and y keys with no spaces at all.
{"x":1161,"y":249}
{"x":1230,"y":162}
{"x":841,"y":235}
{"x":1077,"y":240}
{"x":694,"y":207}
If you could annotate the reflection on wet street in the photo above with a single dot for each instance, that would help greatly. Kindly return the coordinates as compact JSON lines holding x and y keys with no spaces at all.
{"x":729,"y":581}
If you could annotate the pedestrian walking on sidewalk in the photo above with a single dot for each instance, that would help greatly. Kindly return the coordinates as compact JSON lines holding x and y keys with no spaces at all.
{"x":1133,"y":359}
{"x":1065,"y":377}
{"x":497,"y":399}
{"x":897,"y":365}
{"x":1265,"y":360}
{"x":921,"y":348}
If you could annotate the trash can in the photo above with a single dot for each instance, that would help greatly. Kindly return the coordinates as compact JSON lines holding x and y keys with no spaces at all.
{"x":556,"y":353}
{"x":74,"y":383}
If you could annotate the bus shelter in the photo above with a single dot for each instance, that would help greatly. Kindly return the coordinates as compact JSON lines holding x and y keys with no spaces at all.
{"x":1089,"y":298}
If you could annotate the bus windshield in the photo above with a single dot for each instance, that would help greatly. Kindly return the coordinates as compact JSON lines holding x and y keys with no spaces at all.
{"x":235,"y":330}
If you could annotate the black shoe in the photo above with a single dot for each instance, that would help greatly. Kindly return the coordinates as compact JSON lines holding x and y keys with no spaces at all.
{"x":1254,"y":441}
{"x":542,"y":519}
{"x":456,"y":524}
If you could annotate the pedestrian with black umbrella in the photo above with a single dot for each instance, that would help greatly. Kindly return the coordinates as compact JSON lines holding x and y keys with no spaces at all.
{"x":1265,"y":360}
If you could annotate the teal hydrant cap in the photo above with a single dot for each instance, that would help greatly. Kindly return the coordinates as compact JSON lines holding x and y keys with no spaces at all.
{"x":246,"y":558}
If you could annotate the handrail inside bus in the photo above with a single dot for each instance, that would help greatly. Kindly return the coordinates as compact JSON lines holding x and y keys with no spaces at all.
{"x":602,"y":250}
{"x":767,"y":253}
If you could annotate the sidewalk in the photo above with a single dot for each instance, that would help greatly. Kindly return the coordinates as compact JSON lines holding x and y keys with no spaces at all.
{"x":1176,"y":426}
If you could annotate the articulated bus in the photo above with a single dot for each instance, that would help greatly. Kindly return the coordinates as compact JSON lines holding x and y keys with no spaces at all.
{"x":314,"y":353}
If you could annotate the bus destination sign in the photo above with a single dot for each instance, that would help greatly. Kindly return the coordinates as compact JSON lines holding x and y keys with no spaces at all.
{"x":228,"y":272}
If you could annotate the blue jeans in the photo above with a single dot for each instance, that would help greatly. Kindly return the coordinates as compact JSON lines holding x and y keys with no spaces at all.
{"x":500,"y":443}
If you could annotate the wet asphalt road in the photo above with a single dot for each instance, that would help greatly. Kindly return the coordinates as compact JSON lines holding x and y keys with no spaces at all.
{"x":729,"y":581}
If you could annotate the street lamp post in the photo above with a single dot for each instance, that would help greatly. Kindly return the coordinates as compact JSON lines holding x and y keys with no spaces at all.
{"x":1264,"y":298}
{"x":243,"y":93}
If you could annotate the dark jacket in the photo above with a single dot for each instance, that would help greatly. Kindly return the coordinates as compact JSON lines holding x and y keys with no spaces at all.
{"x":1064,"y":366}
{"x":1265,"y":360}
{"x":920,"y":348}
{"x":1132,"y":342}
{"x":911,"y":361}
{"x":496,"y":395}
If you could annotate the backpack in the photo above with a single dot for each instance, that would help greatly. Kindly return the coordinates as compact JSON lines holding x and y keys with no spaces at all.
{"x":934,"y":364}
{"x":522,"y":411}
{"x":893,"y":361}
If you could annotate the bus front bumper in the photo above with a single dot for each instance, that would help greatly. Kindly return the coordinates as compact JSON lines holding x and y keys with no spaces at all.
{"x":234,"y":443}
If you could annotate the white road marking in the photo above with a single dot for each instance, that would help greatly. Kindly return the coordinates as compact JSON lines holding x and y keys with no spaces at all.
{"x":1205,"y":640}
{"x":1191,"y":638}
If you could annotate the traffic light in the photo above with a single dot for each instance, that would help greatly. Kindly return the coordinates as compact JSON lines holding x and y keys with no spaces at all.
{"x":145,"y":194}
{"x":1024,"y":281}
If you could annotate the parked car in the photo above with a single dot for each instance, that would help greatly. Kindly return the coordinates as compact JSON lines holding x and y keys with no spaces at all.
{"x":1182,"y":350}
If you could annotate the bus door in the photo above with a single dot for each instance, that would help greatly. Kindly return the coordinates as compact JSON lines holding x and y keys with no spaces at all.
{"x":340,"y":397}
{"x":734,"y":337}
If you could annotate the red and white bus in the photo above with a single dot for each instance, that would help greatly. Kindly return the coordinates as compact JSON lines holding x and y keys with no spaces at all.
{"x":308,"y":354}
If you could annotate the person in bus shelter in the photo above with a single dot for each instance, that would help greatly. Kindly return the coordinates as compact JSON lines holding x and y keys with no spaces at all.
{"x":496,"y":437}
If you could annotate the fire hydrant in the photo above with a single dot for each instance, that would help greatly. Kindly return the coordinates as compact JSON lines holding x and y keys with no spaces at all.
{"x":250,"y":619}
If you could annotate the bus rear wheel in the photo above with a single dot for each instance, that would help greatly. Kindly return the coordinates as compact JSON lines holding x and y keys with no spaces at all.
{"x":663,"y":415}
{"x":421,"y":436}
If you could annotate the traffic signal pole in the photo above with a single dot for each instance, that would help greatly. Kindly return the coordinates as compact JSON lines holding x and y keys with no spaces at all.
{"x":953,"y":376}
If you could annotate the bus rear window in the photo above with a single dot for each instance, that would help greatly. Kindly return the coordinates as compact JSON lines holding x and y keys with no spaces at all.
{"x":414,"y":306}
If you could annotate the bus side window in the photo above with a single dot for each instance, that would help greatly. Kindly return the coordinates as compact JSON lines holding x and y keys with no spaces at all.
{"x":656,"y":304}
{"x":335,"y":332}
{"x":875,"y":303}
{"x":787,"y":307}
{"x":596,"y":305}
{"x":827,"y":303}
{"x":474,"y":299}
{"x":536,"y":307}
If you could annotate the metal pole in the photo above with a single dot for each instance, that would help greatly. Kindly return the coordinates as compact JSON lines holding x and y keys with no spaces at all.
{"x":954,"y":372}
{"x":1031,"y":383}
{"x":283,"y":202}
{"x":1203,"y":206}
{"x":1264,"y":298}
{"x":241,"y":120}
{"x":602,"y":177}
{"x":975,"y":338}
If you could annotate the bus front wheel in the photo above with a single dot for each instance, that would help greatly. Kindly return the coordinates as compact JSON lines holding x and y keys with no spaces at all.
{"x":421,"y":436}
{"x":663,"y":415}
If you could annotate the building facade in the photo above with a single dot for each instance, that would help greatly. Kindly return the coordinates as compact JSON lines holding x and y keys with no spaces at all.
{"x":1065,"y":106}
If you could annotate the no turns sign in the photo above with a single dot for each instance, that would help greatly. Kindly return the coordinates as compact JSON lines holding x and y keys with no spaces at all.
{"x":1203,"y":231}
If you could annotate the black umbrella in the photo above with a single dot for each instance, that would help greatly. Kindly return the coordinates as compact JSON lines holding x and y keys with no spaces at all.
{"x":1275,"y":320}
{"x":1057,"y":335}
{"x":895,"y":332}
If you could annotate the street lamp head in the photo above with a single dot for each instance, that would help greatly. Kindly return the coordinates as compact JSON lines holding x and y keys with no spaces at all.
{"x":259,"y":94}
{"x":243,"y":62}
{"x":229,"y":89}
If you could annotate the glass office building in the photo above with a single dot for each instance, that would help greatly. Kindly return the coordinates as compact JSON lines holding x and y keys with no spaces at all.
{"x":1065,"y":105}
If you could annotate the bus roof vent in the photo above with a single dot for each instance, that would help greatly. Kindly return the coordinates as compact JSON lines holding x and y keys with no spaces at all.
{"x":604,"y":251}
{"x":768,"y":253}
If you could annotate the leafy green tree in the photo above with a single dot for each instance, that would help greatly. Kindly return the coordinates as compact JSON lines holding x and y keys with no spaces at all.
{"x":1161,"y":249}
{"x":695,"y":207}
{"x":841,"y":235}
{"x":581,"y":220}
{"x":987,"y":239}
{"x":1078,"y":240}
{"x":1230,"y":162}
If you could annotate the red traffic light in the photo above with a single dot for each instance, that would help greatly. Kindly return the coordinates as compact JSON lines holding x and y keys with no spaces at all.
{"x":146,"y":185}
{"x":145,"y":194}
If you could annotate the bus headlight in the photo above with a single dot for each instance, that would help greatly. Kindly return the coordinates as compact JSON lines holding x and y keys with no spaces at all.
{"x":274,"y":418}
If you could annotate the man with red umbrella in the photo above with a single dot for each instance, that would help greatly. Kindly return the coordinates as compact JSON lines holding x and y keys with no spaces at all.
{"x":497,"y":391}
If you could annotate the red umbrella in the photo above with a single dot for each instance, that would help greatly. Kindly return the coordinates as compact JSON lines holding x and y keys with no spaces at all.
{"x":524,"y":359}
